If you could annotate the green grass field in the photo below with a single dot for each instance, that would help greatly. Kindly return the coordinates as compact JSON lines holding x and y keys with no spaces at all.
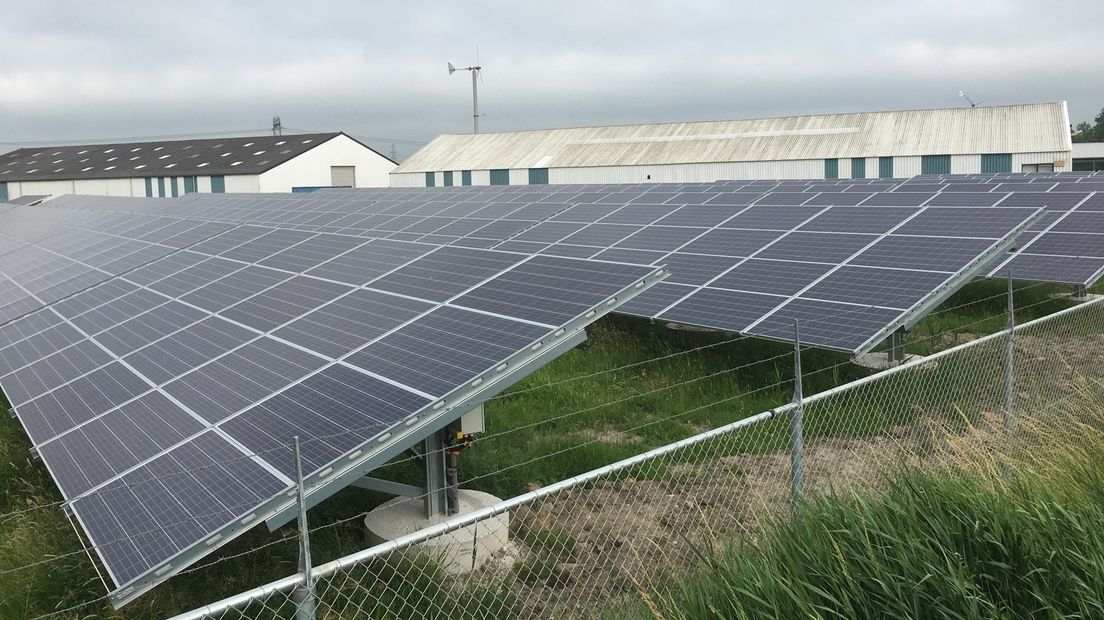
{"x":947,"y":542}
{"x":597,"y":420}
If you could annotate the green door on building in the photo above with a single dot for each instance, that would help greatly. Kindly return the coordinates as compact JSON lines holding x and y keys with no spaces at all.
{"x":935,"y":164}
{"x":997,"y":162}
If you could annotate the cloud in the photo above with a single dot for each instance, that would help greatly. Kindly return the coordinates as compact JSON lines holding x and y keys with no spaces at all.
{"x":75,"y":70}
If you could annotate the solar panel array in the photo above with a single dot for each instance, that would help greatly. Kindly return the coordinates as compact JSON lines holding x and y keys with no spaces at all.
{"x":851,"y":263}
{"x":162,"y":365}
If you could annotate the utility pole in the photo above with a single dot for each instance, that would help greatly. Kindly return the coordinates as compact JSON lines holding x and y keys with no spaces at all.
{"x":394,"y":153}
{"x":277,"y":127}
{"x":475,"y":90}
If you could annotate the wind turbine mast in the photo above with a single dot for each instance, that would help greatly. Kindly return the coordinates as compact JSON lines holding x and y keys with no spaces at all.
{"x":475,"y":90}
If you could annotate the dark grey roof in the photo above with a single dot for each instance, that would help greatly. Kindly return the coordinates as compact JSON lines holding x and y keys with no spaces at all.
{"x":217,"y":156}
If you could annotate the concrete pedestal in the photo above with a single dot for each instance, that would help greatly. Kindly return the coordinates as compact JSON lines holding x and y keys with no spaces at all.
{"x":454,"y":550}
{"x":879,"y":360}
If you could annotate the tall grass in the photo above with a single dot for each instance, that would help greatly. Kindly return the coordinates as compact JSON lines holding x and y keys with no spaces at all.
{"x":994,"y":525}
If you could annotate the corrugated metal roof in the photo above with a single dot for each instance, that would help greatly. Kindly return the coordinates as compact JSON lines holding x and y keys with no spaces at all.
{"x":250,"y":155}
{"x":1042,"y":127}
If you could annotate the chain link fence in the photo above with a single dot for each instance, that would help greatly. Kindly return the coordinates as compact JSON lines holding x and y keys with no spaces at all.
{"x":591,"y":545}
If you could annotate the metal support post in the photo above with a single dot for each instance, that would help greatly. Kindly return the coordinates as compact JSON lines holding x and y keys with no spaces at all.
{"x":1009,"y":376}
{"x":1080,"y":292}
{"x":797,"y":431}
{"x":475,"y":97}
{"x":303,"y":594}
{"x":452,"y":477}
{"x":897,"y":346}
{"x":436,"y":500}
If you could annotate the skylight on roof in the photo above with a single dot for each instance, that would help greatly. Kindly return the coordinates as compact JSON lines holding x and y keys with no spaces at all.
{"x":164,"y":156}
{"x":169,"y":165}
{"x":135,"y":157}
{"x":109,"y":150}
{"x":139,"y":166}
{"x":259,"y":153}
{"x":307,"y":141}
{"x":135,"y":149}
{"x":281,"y":142}
{"x":235,"y":163}
{"x":201,"y":165}
{"x":81,"y":152}
{"x":59,"y":169}
{"x":84,"y":160}
{"x":87,"y":169}
{"x":248,"y":144}
{"x":225,"y":154}
{"x":112,"y":158}
{"x":56,"y":153}
{"x":109,"y":168}
{"x":57,"y":161}
{"x":34,"y":170}
{"x":159,"y":148}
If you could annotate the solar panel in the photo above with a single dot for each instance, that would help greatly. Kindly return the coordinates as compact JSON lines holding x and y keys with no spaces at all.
{"x":163,"y":405}
{"x":703,"y":230}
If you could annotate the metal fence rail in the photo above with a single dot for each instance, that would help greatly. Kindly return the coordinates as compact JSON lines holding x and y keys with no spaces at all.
{"x":590,"y":544}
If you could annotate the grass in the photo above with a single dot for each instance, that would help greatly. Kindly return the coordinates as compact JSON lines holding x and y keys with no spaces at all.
{"x":626,"y":411}
{"x":958,"y":540}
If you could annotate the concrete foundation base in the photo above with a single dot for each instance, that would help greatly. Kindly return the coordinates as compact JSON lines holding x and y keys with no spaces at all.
{"x":1076,"y":298}
{"x":458,"y":552}
{"x":880,"y":360}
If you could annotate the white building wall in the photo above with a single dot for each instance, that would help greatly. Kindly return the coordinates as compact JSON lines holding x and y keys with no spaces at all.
{"x":903,"y":167}
{"x":246,"y":184}
{"x":519,"y":176}
{"x":1061,"y":160}
{"x":965,"y":164}
{"x":312,"y":169}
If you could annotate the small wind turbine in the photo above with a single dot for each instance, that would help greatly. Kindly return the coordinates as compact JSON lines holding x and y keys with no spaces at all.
{"x":963,"y":94}
{"x":475,"y":89}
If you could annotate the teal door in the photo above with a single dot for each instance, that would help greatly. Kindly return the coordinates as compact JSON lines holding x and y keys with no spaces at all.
{"x":831,"y":168}
{"x":500,"y":177}
{"x":448,"y":178}
{"x":935,"y":164}
{"x":538,"y":176}
{"x":218,"y":185}
{"x":996,"y":162}
{"x":858,"y":168}
{"x":885,"y":167}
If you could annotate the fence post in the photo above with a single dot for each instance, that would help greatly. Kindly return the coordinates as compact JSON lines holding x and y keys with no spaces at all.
{"x":797,"y":431}
{"x":303,"y":594}
{"x":1009,"y":375}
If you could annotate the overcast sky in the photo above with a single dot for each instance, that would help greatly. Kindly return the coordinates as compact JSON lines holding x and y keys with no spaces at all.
{"x":83,"y":70}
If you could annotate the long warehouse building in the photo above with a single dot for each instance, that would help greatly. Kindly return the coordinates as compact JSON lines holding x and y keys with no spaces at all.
{"x":1014,"y":138}
{"x":211,"y":165}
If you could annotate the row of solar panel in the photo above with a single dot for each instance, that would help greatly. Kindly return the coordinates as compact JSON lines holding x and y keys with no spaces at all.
{"x":216,"y":342}
{"x":726,"y":249}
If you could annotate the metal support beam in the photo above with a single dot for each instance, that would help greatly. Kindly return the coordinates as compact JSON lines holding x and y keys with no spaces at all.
{"x":436,"y":501}
{"x":389,"y":487}
{"x":303,"y":594}
{"x":1080,"y":291}
{"x":797,"y":429}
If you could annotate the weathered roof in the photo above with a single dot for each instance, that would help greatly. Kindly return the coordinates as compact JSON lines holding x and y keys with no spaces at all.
{"x":217,"y":156}
{"x":1041,"y":127}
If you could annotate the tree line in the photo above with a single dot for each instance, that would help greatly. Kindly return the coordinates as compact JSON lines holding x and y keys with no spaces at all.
{"x":1085,"y":132}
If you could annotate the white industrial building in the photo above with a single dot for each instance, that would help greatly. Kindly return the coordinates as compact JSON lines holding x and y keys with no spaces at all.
{"x":254,"y":164}
{"x":1088,"y":156}
{"x":1016,"y":138}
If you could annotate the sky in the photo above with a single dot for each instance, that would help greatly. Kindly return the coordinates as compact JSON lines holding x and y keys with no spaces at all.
{"x":102,"y":71}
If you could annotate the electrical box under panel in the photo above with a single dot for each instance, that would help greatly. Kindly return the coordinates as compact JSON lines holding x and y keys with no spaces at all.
{"x":472,"y":421}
